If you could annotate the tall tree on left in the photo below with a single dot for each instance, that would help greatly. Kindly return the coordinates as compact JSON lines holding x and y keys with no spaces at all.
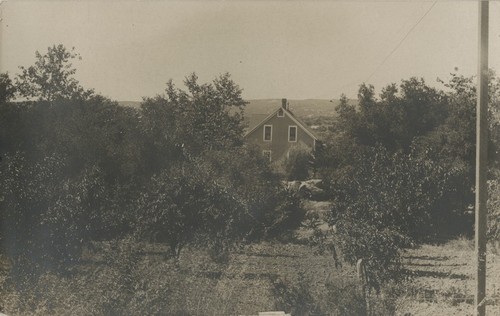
{"x":51,"y":77}
{"x":7,"y":89}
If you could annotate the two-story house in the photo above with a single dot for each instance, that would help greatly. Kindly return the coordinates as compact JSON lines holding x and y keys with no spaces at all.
{"x":280,"y":132}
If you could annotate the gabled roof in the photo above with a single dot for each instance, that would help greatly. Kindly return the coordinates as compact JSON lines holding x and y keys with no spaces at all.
{"x":291,"y":116}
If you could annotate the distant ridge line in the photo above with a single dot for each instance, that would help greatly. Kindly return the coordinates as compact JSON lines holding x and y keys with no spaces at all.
{"x":302,"y":108}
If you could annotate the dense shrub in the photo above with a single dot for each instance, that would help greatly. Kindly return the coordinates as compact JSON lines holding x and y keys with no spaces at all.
{"x":288,"y":214}
{"x":297,"y":164}
{"x":295,"y":298}
{"x":494,"y":210}
{"x":27,"y":193}
{"x":386,"y":202}
{"x":341,"y":296}
{"x":400,"y":168}
{"x":216,"y":201}
{"x":170,"y":209}
{"x":46,"y":217}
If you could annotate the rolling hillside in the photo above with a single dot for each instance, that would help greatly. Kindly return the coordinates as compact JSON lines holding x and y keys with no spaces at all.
{"x":258,"y":109}
{"x":302,"y":108}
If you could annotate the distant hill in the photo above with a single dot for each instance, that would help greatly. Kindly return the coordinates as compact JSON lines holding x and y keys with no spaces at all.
{"x":258,"y":109}
{"x":302,"y":108}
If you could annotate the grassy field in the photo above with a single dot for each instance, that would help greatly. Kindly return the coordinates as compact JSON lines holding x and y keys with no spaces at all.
{"x":129,"y":278}
{"x":137,"y":279}
{"x":444,"y":280}
{"x":125,"y":277}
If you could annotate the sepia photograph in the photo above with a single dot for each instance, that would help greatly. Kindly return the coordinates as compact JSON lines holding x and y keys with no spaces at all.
{"x":250,"y":158}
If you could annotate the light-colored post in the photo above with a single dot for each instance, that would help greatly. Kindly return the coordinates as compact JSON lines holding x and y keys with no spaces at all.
{"x":481,"y":159}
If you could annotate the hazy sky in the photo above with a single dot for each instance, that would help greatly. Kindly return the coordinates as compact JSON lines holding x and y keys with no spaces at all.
{"x":273,"y":49}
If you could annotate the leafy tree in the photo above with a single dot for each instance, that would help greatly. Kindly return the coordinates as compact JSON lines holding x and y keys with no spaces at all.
{"x":187,"y":204}
{"x":159,"y":130}
{"x":413,"y":118}
{"x":216,"y":200}
{"x":494,"y":209}
{"x":73,"y":214}
{"x":15,"y":128}
{"x":396,"y":118}
{"x":96,"y":131}
{"x":400,"y":169}
{"x":52,"y":77}
{"x":48,"y":215}
{"x":271,"y":209}
{"x":27,"y":192}
{"x":206,"y":116}
{"x":170,"y":209}
{"x":182,"y":123}
{"x":387,"y":201}
{"x":297,"y":164}
{"x":7,"y":89}
{"x":346,"y":113}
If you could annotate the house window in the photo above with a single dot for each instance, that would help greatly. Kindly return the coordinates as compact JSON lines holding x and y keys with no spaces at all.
{"x":267,"y":154}
{"x":268,"y":133}
{"x":292,"y":133}
{"x":281,"y":113}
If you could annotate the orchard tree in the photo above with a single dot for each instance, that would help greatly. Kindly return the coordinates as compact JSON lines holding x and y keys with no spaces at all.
{"x":399,"y":169}
{"x":205,"y":116}
{"x":216,"y":201}
{"x":170,"y":208}
{"x":7,"y":89}
{"x":396,"y":117}
{"x":158,"y":131}
{"x":389,"y":200}
{"x":298,"y":163}
{"x":51,"y":77}
{"x":211,"y":114}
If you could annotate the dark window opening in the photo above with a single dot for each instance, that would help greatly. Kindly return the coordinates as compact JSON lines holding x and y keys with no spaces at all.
{"x":268,"y":132}
{"x":292,"y":133}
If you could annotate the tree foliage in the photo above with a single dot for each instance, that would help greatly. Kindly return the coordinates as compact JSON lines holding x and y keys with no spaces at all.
{"x":206,"y":188}
{"x":205,"y":116}
{"x":400,"y":167}
{"x":7,"y":89}
{"x":493,"y":233}
{"x":389,"y":201}
{"x":297,"y":164}
{"x":216,"y":201}
{"x":51,"y":77}
{"x":79,"y":168}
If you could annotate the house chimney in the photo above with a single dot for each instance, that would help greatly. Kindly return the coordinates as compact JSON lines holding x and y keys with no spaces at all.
{"x":284,"y":104}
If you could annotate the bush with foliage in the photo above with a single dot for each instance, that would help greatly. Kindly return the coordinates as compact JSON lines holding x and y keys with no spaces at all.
{"x":203,"y":117}
{"x":170,"y":209}
{"x":341,"y":295}
{"x":51,"y":77}
{"x":494,"y":210}
{"x":386,"y":202}
{"x":400,"y":167}
{"x":46,"y":218}
{"x":297,"y":164}
{"x":214,"y":201}
{"x":296,"y":299}
{"x":7,"y":89}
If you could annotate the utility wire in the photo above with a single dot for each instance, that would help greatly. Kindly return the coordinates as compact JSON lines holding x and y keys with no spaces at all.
{"x":401,"y":41}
